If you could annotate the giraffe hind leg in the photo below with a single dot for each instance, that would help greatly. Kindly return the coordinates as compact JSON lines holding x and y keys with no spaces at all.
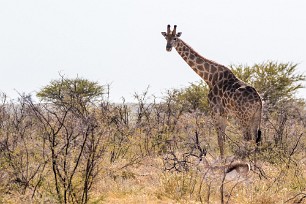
{"x":256,"y":127}
{"x":246,"y":130}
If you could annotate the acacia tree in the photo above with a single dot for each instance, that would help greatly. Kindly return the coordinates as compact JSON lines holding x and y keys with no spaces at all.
{"x":68,"y":113}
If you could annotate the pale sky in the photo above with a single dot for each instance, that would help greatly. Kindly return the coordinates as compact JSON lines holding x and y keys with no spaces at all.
{"x":119,"y":42}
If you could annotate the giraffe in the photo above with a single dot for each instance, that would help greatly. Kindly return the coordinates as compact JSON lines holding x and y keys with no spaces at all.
{"x":228,"y":95}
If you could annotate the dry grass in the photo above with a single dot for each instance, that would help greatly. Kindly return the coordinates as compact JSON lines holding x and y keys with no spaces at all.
{"x":161,"y":154}
{"x":148,"y":183}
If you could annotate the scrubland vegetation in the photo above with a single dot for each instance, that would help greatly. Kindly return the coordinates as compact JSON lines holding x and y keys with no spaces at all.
{"x":76,"y":146}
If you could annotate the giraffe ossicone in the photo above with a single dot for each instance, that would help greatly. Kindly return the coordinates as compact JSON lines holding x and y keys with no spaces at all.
{"x":228,"y":95}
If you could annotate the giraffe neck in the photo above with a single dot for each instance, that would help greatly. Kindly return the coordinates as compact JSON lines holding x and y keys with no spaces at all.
{"x":211,"y":72}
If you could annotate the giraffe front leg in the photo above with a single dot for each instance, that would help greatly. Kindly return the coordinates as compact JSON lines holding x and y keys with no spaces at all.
{"x":220,"y":126}
{"x":219,"y":118}
{"x":221,"y":139}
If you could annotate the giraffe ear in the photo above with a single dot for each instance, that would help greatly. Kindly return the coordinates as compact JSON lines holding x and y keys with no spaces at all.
{"x":164,"y":34}
{"x":178,"y":34}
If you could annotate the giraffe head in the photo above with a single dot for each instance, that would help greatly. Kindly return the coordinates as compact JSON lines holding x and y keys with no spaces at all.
{"x":171,"y":37}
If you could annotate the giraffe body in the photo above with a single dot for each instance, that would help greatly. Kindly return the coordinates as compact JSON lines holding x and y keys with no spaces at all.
{"x":228,"y":95}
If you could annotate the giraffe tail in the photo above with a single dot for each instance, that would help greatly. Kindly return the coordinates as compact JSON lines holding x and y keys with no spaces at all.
{"x":258,"y":137}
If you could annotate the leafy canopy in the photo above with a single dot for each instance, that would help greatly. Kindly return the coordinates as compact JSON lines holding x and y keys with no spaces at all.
{"x":274,"y":81}
{"x":71,"y":91}
{"x":193,"y":97}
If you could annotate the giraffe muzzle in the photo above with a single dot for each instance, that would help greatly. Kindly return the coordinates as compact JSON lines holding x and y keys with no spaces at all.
{"x":168,"y":48}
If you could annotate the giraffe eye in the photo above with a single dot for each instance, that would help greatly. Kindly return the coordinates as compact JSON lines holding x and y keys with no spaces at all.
{"x":174,"y":38}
